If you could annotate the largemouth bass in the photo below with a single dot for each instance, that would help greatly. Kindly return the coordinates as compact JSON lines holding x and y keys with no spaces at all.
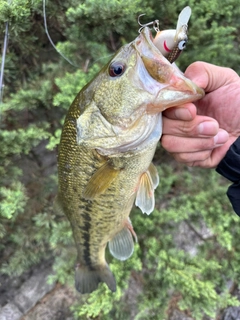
{"x":105,"y":155}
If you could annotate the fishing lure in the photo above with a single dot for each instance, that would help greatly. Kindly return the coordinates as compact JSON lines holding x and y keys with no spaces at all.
{"x":154,"y":23}
{"x":171,"y":42}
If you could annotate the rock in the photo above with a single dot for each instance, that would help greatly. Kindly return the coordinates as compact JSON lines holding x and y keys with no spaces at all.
{"x":27,"y":295}
{"x":10,"y":312}
{"x":231,"y":313}
{"x":54,"y":306}
{"x":33,"y":290}
{"x":177,"y":315}
{"x":188,"y":237}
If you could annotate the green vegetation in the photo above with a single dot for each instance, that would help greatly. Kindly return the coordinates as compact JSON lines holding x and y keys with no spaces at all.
{"x":192,"y":272}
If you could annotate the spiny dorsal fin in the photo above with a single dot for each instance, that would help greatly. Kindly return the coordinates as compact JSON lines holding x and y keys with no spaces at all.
{"x":100,"y":181}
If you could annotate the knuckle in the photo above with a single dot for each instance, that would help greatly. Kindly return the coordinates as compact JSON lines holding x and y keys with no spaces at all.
{"x":183,"y":157}
{"x":189,"y":128}
{"x":206,"y":144}
{"x":192,"y":159}
{"x":168,"y":142}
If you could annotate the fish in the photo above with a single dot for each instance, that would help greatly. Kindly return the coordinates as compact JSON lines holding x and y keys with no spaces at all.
{"x":172,"y":42}
{"x":107,"y":144}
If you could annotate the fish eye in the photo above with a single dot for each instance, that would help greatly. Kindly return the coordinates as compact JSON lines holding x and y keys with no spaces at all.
{"x":116,"y":69}
{"x":182,"y":44}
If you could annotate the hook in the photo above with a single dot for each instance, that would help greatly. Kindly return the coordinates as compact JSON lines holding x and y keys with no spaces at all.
{"x":154,"y":23}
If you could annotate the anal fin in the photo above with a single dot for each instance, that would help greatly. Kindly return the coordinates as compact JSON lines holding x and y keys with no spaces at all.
{"x":100,"y":181}
{"x":122,"y":246}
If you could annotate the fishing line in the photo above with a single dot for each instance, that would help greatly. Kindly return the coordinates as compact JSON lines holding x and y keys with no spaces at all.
{"x":50,"y":39}
{"x":2,"y":64}
{"x":107,"y":56}
{"x":52,"y":43}
{"x":3,"y":61}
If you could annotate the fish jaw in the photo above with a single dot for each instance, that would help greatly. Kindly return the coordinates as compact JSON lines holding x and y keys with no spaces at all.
{"x":166,"y":81}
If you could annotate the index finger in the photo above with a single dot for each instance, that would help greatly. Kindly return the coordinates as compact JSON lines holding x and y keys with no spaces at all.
{"x":200,"y":126}
{"x":210,"y":77}
{"x":186,"y":112}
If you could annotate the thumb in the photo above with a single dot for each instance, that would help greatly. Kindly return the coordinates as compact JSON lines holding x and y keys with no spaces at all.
{"x":210,"y":77}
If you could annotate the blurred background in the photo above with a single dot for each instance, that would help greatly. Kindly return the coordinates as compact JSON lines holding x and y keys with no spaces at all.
{"x":187,"y":262}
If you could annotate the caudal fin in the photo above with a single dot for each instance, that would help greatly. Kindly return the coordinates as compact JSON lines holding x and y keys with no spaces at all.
{"x":87,"y":280}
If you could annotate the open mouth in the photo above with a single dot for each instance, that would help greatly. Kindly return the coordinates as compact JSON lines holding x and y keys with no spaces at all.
{"x":171,"y":86}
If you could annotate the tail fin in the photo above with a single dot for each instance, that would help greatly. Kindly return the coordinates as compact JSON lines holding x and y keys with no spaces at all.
{"x":87,"y":280}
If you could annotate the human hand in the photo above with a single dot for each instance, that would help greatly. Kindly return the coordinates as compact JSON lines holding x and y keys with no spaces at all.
{"x":200,"y":134}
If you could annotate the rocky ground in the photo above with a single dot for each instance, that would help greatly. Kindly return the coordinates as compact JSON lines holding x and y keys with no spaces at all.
{"x":30,"y":297}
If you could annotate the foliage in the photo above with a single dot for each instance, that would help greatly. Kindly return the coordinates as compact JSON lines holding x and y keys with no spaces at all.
{"x":190,"y":273}
{"x":194,"y":278}
{"x":13,"y":200}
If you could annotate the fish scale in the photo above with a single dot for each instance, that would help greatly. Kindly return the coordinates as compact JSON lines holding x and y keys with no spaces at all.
{"x":107,"y":145}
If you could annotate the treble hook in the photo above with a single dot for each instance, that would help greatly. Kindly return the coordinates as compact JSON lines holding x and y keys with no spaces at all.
{"x":154,"y":23}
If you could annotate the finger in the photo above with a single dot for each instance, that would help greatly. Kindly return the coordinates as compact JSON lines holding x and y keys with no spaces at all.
{"x":175,"y":144}
{"x":212,"y":160}
{"x":191,"y":159}
{"x":205,"y":159}
{"x":210,"y":77}
{"x":200,"y":126}
{"x":185,"y":112}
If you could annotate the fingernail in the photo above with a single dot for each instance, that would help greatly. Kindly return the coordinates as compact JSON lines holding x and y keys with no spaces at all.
{"x":208,"y":128}
{"x":221,"y":137}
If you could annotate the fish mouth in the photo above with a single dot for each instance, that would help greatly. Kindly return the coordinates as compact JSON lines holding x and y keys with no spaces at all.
{"x":164,"y":79}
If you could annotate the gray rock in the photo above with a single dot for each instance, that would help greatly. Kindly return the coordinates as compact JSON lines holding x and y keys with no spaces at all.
{"x":27,"y":295}
{"x":10,"y":312}
{"x":54,"y":306}
{"x":231,"y":313}
{"x":188,"y":237}
{"x":32,"y":291}
{"x":178,"y":315}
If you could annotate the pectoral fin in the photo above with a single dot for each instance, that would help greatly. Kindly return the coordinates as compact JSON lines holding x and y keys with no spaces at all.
{"x":100,"y":181}
{"x":145,"y":194}
{"x":122,"y":245}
